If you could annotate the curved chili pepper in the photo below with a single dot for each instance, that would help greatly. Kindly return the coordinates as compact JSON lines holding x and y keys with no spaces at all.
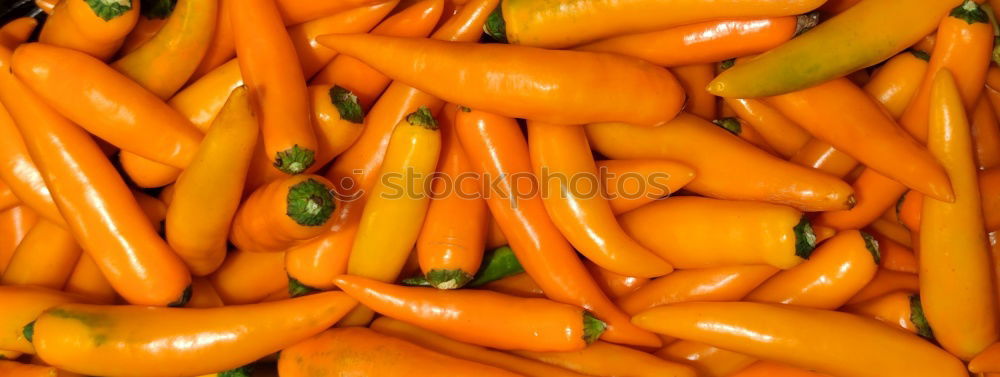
{"x":886,"y":281}
{"x":964,"y":45}
{"x":875,"y":193}
{"x":453,"y":236}
{"x":21,"y":174}
{"x":897,"y":81}
{"x":985,"y":133}
{"x":704,"y":42}
{"x":22,"y":305}
{"x":706,"y":360}
{"x":896,"y":257}
{"x":953,"y":249}
{"x":895,"y":309}
{"x":695,"y":232}
{"x":582,"y":87}
{"x":214,"y":181}
{"x":812,"y":59}
{"x":337,"y":119}
{"x":536,"y":241}
{"x":363,"y":352}
{"x":630,"y":184}
{"x":470,"y":315}
{"x":745,"y":131}
{"x":494,"y":236}
{"x":570,"y":191}
{"x":846,"y":117}
{"x":222,"y":47}
{"x":202,"y":100}
{"x":364,"y":81}
{"x":247,"y":277}
{"x":606,"y":359}
{"x":768,"y":369}
{"x":283,"y":213}
{"x":16,"y":369}
{"x":727,"y":283}
{"x":96,"y":28}
{"x":987,"y":361}
{"x":45,"y":258}
{"x":118,"y":340}
{"x":313,"y":55}
{"x":835,"y":272}
{"x":15,"y":223}
{"x":826,"y":341}
{"x":693,"y":79}
{"x":17,"y":31}
{"x":822,"y":156}
{"x":572,"y":22}
{"x":438,"y":343}
{"x":271,"y":71}
{"x":782,"y":134}
{"x":614,"y":285}
{"x":989,"y":187}
{"x":145,"y":29}
{"x":294,"y":12}
{"x":86,"y":280}
{"x":521,"y":285}
{"x":115,"y":107}
{"x":725,"y":168}
{"x":104,"y":218}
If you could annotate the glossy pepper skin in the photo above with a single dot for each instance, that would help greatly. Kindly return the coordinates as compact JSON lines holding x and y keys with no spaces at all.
{"x":565,"y":23}
{"x":895,"y":309}
{"x":114,"y":108}
{"x":630,"y":184}
{"x":16,"y":369}
{"x":104,"y":218}
{"x":337,"y":119}
{"x":836,"y":271}
{"x":363,"y":352}
{"x":45,"y":258}
{"x":843,"y":115}
{"x":607,"y":359}
{"x":207,"y":194}
{"x":118,"y":340}
{"x":96,"y":28}
{"x":580,"y":87}
{"x":694,"y":232}
{"x":987,"y":361}
{"x":15,"y":223}
{"x":480,"y":317}
{"x":282,"y":214}
{"x":615,"y":285}
{"x":956,"y":286}
{"x":562,"y":158}
{"x":725,"y":167}
{"x":247,"y":277}
{"x":19,"y":172}
{"x":86,"y":280}
{"x":985,"y":133}
{"x":704,"y":42}
{"x":540,"y":248}
{"x":809,"y":60}
{"x":829,"y":342}
{"x":780,"y":132}
{"x":726,"y":283}
{"x":312,"y":55}
{"x":706,"y":360}
{"x":23,"y":304}
{"x":435,"y":342}
{"x":887,"y":281}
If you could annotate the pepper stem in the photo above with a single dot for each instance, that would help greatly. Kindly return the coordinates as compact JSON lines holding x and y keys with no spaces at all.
{"x":727,"y":64}
{"x":309,"y":203}
{"x":805,"y":239}
{"x":296,"y":288}
{"x":970,"y":12}
{"x":872,"y":245}
{"x":29,"y":331}
{"x":183,"y":300}
{"x":922,"y":55}
{"x":805,"y":22}
{"x":347,"y":104}
{"x":294,"y":160}
{"x":157,"y":9}
{"x":243,"y":371}
{"x":592,"y":327}
{"x":108,"y":9}
{"x":448,"y":279}
{"x":918,"y":319}
{"x":495,"y":26}
{"x":423,"y":118}
{"x":497,"y":264}
{"x":418,"y":281}
{"x":730,"y":124}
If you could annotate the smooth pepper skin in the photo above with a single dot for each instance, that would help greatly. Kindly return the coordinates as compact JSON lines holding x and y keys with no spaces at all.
{"x":726,"y":283}
{"x":74,"y":24}
{"x":22,"y":304}
{"x":120,"y":340}
{"x":835,"y":343}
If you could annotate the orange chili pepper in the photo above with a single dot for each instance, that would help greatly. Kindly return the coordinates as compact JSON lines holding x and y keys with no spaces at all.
{"x":989,"y":187}
{"x":725,"y":168}
{"x":582,"y":87}
{"x":104,"y":219}
{"x":536,"y":241}
{"x":695,"y":232}
{"x":294,"y":12}
{"x":202,"y":100}
{"x":704,"y":42}
{"x":15,"y":223}
{"x":726,"y":283}
{"x":986,"y":361}
{"x":52,"y":72}
{"x":770,"y":369}
{"x":779,"y":132}
{"x":846,"y":117}
{"x":88,"y":281}
{"x":246,"y":277}
{"x":630,"y":184}
{"x":207,"y":194}
{"x":453,"y":236}
{"x":203,"y":294}
{"x":313,"y":56}
{"x":363,"y":352}
{"x":874,"y":192}
{"x":271,"y":71}
{"x":891,"y":230}
{"x":895,"y":309}
{"x":826,"y":341}
{"x":835,"y":272}
{"x":47,"y":5}
{"x":964,"y":46}
{"x":185,"y":342}
{"x":927,"y":43}
{"x":896,"y":257}
{"x":521,"y":285}
{"x":956,"y":285}
{"x":17,"y":31}
{"x":823,"y":233}
{"x":472,"y":316}
{"x":897,"y":81}
{"x":438,"y":343}
{"x":708,"y":361}
{"x":337,"y":119}
{"x":909,"y":207}
{"x":96,"y":28}
{"x":7,"y":198}
{"x":822,"y":156}
{"x":985,"y":133}
{"x":222,"y":47}
{"x":886,"y":281}
{"x":614,"y":285}
{"x":20,"y":173}
{"x":364,"y":81}
{"x":45,"y":257}
{"x":693,"y":79}
{"x":144,"y":30}
{"x":494,"y":236}
{"x":606,"y":359}
{"x":16,"y":369}
{"x":283,"y":213}
{"x":22,"y":304}
{"x":745,"y":131}
{"x":563,"y":161}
